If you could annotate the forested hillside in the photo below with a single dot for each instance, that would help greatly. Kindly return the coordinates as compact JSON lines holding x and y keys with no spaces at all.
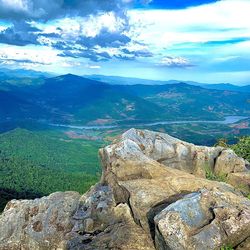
{"x":73,"y":99}
{"x":34,"y":164}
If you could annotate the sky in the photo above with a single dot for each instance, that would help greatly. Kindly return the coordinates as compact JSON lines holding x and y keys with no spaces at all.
{"x":191,"y":40}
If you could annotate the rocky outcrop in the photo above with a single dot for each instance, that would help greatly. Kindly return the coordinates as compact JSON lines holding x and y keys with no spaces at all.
{"x":153,"y":194}
{"x":228,"y":162}
{"x":209,"y":219}
{"x":38,"y":224}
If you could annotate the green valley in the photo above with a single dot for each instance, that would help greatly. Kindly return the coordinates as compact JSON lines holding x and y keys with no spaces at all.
{"x":34,"y":164}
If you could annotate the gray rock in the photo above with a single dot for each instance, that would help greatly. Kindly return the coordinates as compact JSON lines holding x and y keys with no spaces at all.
{"x":38,"y":224}
{"x":209,"y":219}
{"x":228,"y":162}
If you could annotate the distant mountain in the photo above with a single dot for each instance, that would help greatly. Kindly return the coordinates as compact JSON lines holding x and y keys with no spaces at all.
{"x":227,"y":86}
{"x":74,"y":99}
{"x":9,"y":79}
{"x":20,"y":73}
{"x":78,"y":100}
{"x":117,"y":80}
{"x":184,"y":100}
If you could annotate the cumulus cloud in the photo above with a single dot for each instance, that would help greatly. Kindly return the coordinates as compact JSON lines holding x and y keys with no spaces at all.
{"x":47,"y":9}
{"x":222,"y":20}
{"x":98,"y":31}
{"x":92,"y":29}
{"x":21,"y":33}
{"x":104,"y":39}
{"x":103,"y":24}
{"x":175,"y":62}
{"x":138,"y":53}
{"x":88,"y":53}
{"x":98,"y":38}
{"x":9,"y":55}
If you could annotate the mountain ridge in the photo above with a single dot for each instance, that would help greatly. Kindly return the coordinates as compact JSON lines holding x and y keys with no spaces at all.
{"x":134,"y":81}
{"x":73,"y":99}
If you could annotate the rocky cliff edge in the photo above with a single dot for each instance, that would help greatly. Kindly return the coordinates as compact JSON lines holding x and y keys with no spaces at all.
{"x":155,"y":192}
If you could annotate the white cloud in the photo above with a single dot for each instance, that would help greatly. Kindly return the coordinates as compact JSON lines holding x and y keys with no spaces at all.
{"x":52,"y":9}
{"x":16,"y":5}
{"x":218,"y":21}
{"x":89,"y":26}
{"x":70,"y":64}
{"x":94,"y":24}
{"x":160,"y":40}
{"x":93,"y":66}
{"x":176,"y":62}
{"x":40,"y":58}
{"x":22,"y":54}
{"x":2,"y":28}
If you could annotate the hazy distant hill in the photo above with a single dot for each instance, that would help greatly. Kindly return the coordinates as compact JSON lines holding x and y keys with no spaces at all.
{"x":117,"y":80}
{"x":227,"y":86}
{"x":184,"y":100}
{"x":19,"y":73}
{"x":78,"y":100}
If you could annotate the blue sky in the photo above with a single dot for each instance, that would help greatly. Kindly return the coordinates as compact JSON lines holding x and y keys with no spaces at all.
{"x":196,"y":40}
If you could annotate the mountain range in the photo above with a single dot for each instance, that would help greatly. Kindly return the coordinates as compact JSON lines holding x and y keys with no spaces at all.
{"x":117,"y":80}
{"x":74,"y":99}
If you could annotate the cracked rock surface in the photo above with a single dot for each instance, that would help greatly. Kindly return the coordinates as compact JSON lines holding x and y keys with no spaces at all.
{"x":153,"y":194}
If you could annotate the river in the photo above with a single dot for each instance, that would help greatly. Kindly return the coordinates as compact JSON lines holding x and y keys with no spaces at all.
{"x":228,"y":120}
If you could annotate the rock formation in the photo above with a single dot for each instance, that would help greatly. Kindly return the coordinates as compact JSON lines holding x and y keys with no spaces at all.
{"x":153,"y":194}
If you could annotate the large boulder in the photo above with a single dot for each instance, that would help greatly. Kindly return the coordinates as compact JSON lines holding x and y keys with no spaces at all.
{"x":144,"y":145}
{"x":229,"y":162}
{"x":209,"y":219}
{"x":38,"y":224}
{"x":153,"y":194}
{"x":70,"y":221}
